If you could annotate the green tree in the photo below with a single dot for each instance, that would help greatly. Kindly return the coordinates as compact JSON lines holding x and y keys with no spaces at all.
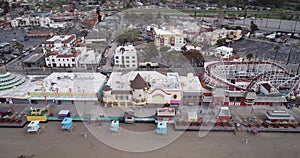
{"x":249,"y":56}
{"x":221,"y":42}
{"x":122,"y":49}
{"x":150,"y":51}
{"x":19,"y":46}
{"x":84,"y":32}
{"x":126,"y":35}
{"x":276,"y":49}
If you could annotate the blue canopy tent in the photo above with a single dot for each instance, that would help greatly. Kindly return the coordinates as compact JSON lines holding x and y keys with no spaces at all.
{"x":67,"y":123}
{"x":114,"y":127}
{"x":161,"y":127}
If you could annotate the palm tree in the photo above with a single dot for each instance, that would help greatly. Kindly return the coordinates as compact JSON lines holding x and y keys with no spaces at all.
{"x":249,"y":56}
{"x":122,"y":49}
{"x":276,"y":49}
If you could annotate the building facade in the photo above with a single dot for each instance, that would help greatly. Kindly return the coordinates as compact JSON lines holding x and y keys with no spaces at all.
{"x":168,"y":38}
{"x":56,"y":59}
{"x":61,"y":51}
{"x":126,"y":57}
{"x":139,"y":88}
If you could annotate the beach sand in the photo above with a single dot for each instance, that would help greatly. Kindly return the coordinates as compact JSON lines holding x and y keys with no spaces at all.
{"x":52,"y":142}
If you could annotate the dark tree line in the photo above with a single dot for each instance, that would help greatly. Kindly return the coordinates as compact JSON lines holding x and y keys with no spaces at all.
{"x":241,"y":3}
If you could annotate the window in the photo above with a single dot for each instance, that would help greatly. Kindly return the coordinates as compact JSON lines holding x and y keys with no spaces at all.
{"x":127,"y":57}
{"x":73,"y":60}
{"x":127,"y":61}
{"x":117,"y":57}
{"x":117,"y":61}
{"x":116,"y":97}
{"x":127,"y":97}
{"x":58,"y":59}
{"x":63,"y":59}
{"x":53,"y":60}
{"x":121,"y":97}
{"x":133,"y":61}
{"x":47,"y":59}
{"x":67,"y":59}
{"x":127,"y":65}
{"x":133,"y":57}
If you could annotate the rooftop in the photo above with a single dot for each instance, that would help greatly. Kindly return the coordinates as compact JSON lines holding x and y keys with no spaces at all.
{"x":66,"y":82}
{"x":34,"y":58}
{"x":89,"y":57}
{"x":62,"y":38}
{"x":155,"y":80}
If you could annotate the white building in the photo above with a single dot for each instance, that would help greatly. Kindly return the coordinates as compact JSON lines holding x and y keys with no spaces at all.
{"x":68,"y":87}
{"x":126,"y":57}
{"x":30,"y":21}
{"x":57,"y":24}
{"x":224,"y":52}
{"x":168,"y":38}
{"x":62,"y":59}
{"x":60,"y":51}
{"x":151,"y":87}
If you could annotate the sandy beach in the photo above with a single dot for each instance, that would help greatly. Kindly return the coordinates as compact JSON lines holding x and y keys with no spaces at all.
{"x":52,"y":142}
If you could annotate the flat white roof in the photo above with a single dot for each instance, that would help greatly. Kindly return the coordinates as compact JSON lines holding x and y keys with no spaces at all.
{"x":76,"y":82}
{"x":167,"y":32}
{"x":119,"y":81}
{"x":227,"y":49}
{"x":170,"y":81}
{"x":190,"y":83}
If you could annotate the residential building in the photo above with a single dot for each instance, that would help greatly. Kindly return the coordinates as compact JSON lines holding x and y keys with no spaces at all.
{"x":57,"y":24}
{"x":58,"y":42}
{"x":40,"y":34}
{"x":89,"y":59}
{"x":150,"y":87}
{"x":233,"y":34}
{"x":30,"y":21}
{"x":126,"y":57}
{"x":59,"y":59}
{"x":211,"y":38}
{"x":168,"y":37}
{"x":96,"y":37}
{"x":224,"y":52}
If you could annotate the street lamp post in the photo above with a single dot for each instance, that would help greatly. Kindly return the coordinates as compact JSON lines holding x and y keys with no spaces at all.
{"x":279,"y":24}
{"x":295,"y":25}
{"x":267,"y":21}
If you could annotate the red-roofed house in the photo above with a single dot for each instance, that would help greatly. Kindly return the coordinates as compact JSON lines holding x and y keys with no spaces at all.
{"x":61,"y":52}
{"x":60,"y":41}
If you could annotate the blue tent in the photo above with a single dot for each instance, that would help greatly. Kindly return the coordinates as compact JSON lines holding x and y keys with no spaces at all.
{"x":161,"y":127}
{"x":67,"y":123}
{"x":114,"y":127}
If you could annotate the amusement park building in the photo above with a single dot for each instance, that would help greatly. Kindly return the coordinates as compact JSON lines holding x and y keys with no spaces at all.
{"x":59,"y":87}
{"x":247,"y":83}
{"x":151,"y":87}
